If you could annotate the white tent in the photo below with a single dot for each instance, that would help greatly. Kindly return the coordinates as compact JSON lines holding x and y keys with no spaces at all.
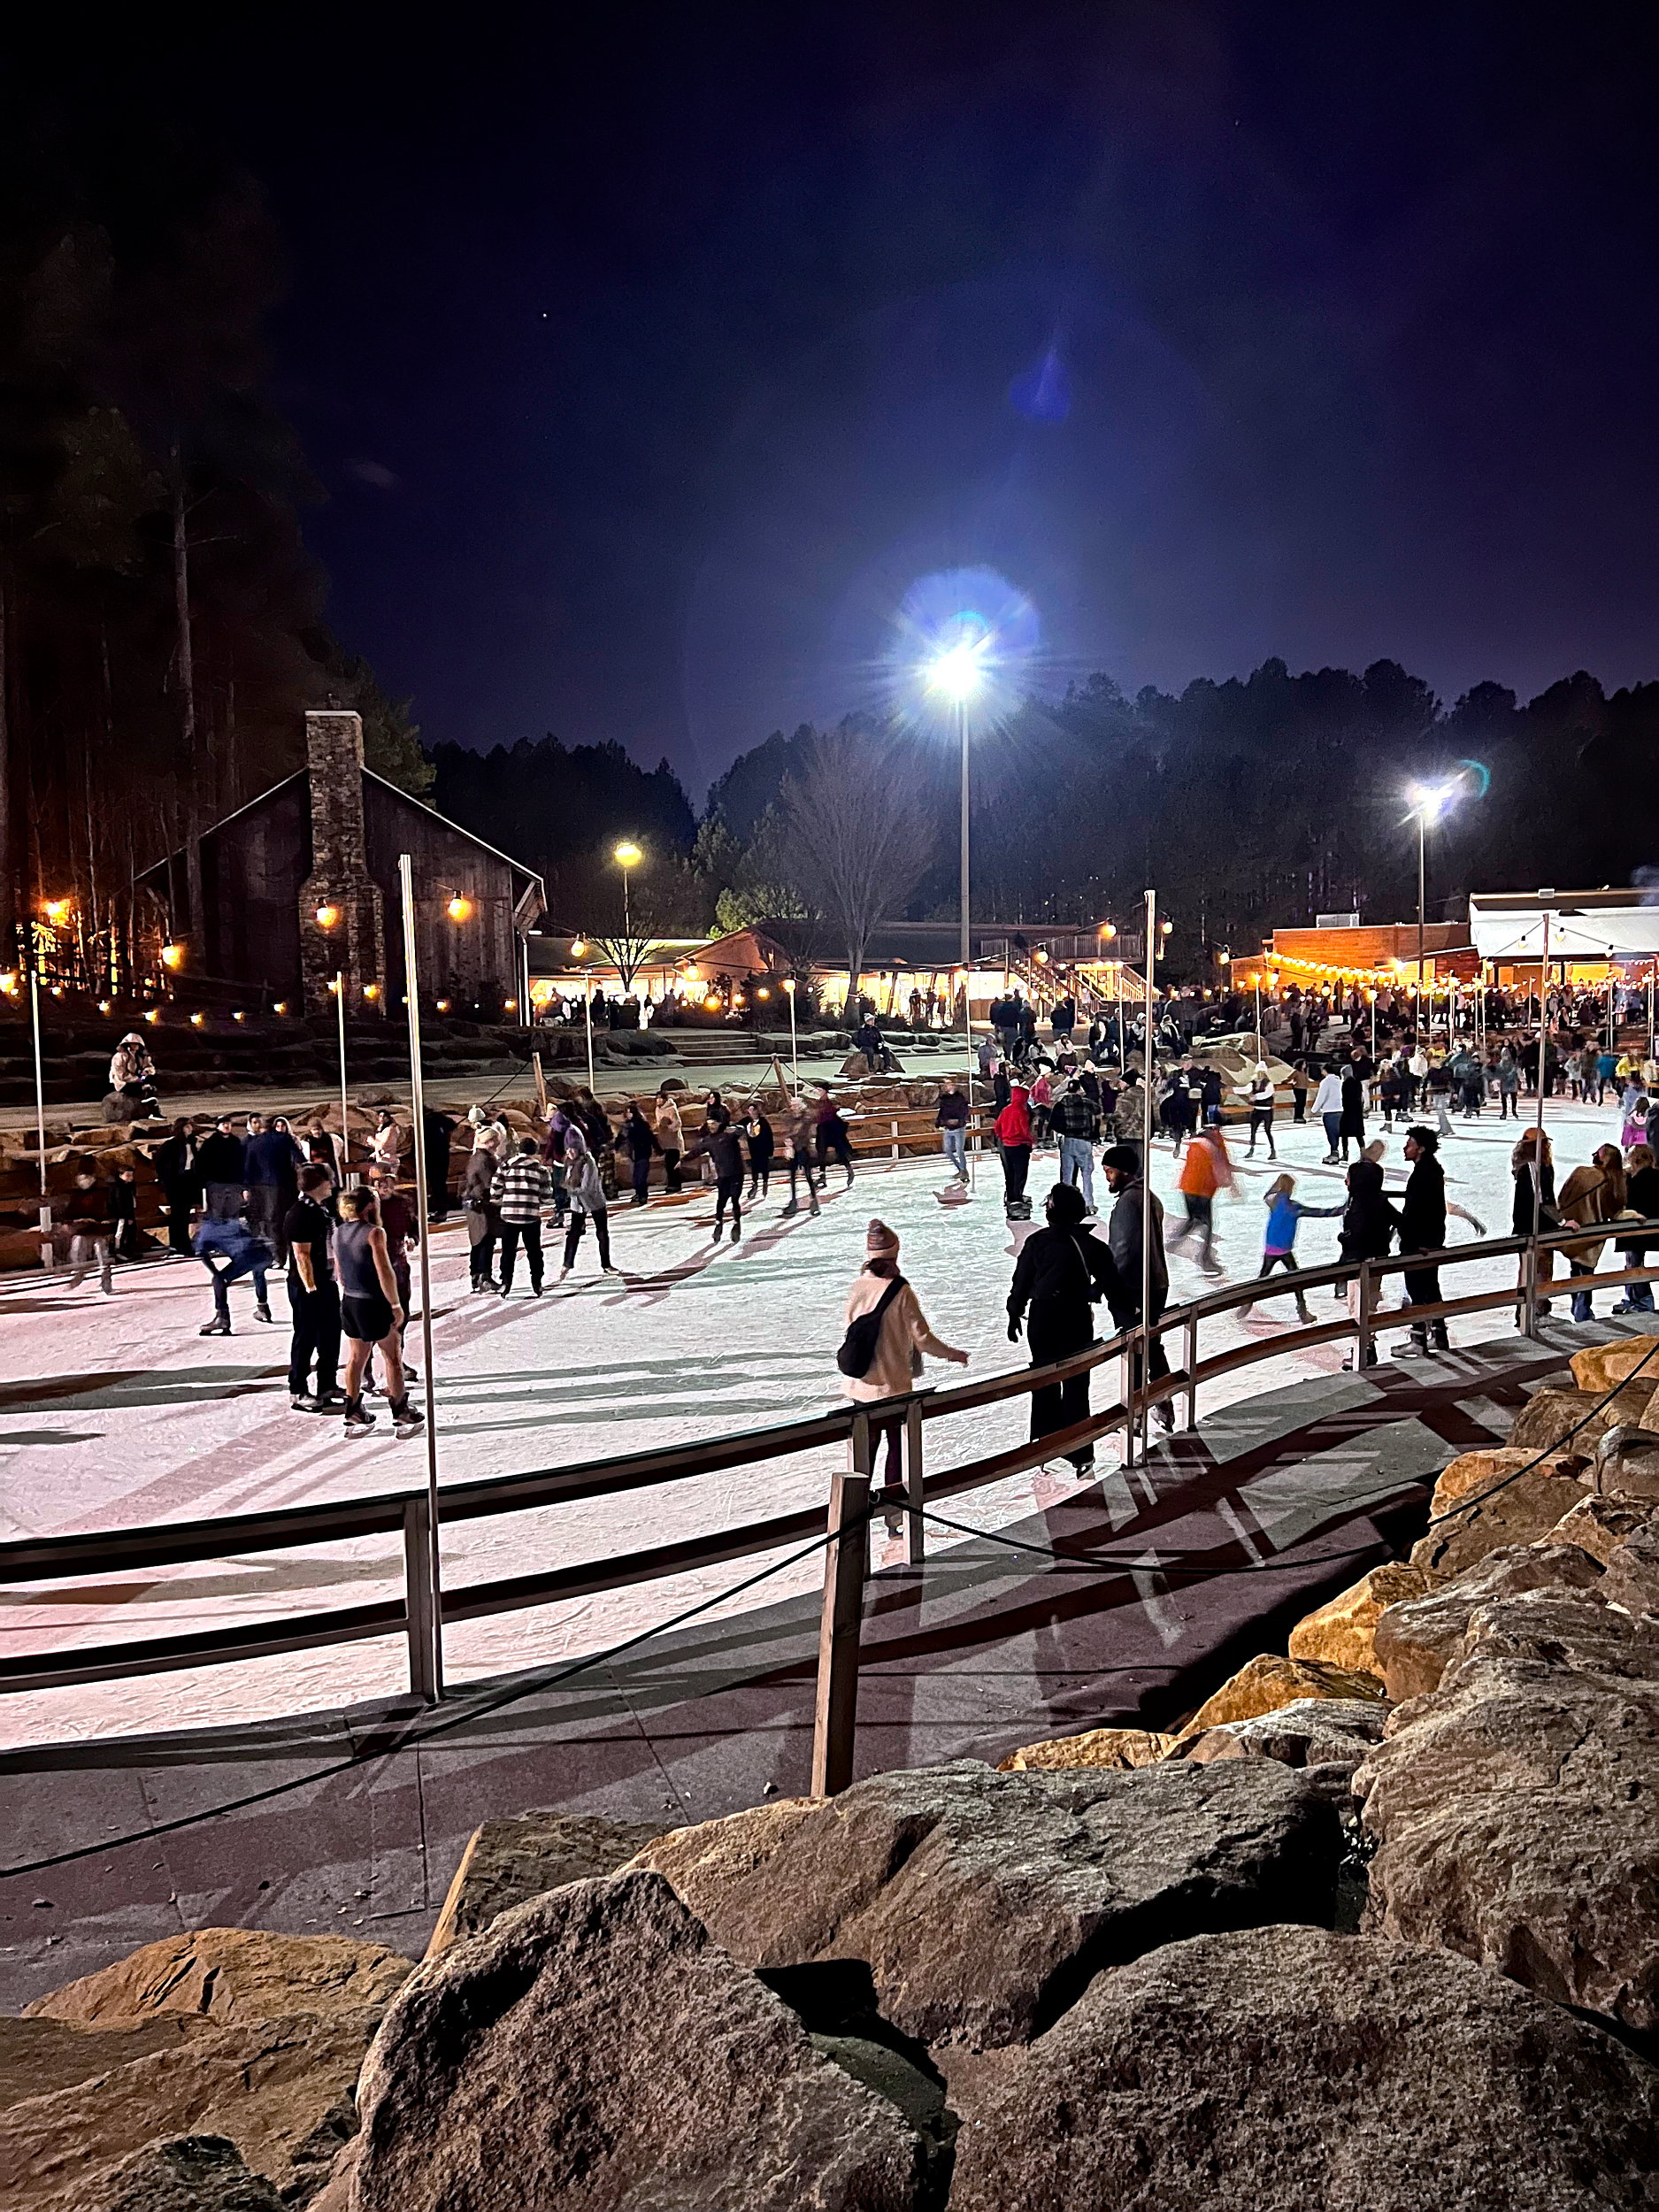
{"x":1583,"y":925}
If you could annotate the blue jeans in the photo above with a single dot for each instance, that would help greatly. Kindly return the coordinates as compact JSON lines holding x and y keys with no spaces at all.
{"x":224,"y":1277}
{"x":1332,"y":1132}
{"x":1582,"y":1309}
{"x":957,"y":1149}
{"x":1077,"y":1166}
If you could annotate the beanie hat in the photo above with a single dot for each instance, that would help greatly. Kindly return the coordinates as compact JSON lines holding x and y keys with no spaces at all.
{"x":880,"y":1241}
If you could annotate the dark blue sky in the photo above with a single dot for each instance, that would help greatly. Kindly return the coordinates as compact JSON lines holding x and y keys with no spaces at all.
{"x":648,"y":363}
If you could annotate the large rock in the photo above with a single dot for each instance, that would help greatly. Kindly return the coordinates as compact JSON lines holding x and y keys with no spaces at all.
{"x":1340,"y":1632}
{"x":1627,"y":1467}
{"x":231,"y":1974}
{"x":1598,"y":1525}
{"x":1571,"y":1420}
{"x":1290,"y":2071}
{"x":1517,"y":1807}
{"x":38,"y":2056}
{"x":595,"y":2050}
{"x":193,"y":2173}
{"x":983,"y":1903}
{"x":282,"y":2089}
{"x":1094,"y":1748}
{"x":1472,"y":1471}
{"x":1417,"y":1642}
{"x":1633,"y":1572}
{"x":1524,"y":1510}
{"x":1267,"y":1682}
{"x":1313,"y":1731}
{"x":1602,"y":1367}
{"x":506,"y":1862}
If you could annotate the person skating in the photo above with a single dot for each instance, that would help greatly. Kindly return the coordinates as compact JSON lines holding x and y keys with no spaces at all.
{"x":1061,"y":1272}
{"x":87,"y":1218}
{"x":901,"y":1336}
{"x":1013,"y":1141}
{"x":1423,"y":1212}
{"x":671,"y":1139}
{"x":1259,"y":1096}
{"x":1077,"y":1123}
{"x":722,"y":1143}
{"x":181,"y":1180}
{"x":231,"y":1241}
{"x":1285,"y":1213}
{"x":522,"y":1186}
{"x":801,"y":1136}
{"x":126,"y":1238}
{"x":833,"y":1139}
{"x":1120,"y":1163}
{"x":1205,"y":1171}
{"x":639,"y":1141}
{"x":1327,"y":1105}
{"x":762,"y":1144}
{"x":951,"y":1116}
{"x":370,"y":1314}
{"x":313,"y":1297}
{"x":585,"y":1187}
{"x":483,"y":1223}
{"x":1368,"y":1226}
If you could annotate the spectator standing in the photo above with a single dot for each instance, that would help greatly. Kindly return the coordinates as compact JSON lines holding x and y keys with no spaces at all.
{"x":1061,"y":1272}
{"x":313,"y":1297}
{"x":388,"y":1141}
{"x":1368,"y":1228}
{"x":437,"y":1129}
{"x":639,"y":1143}
{"x":483,"y":1222}
{"x":269,"y":1173}
{"x":1591,"y":1195}
{"x":762,"y":1144}
{"x":586,"y":1192}
{"x":1298,"y":1091}
{"x":219,"y":1162}
{"x":1352,"y":1126}
{"x":522,"y":1186}
{"x":1327,"y":1103}
{"x":177,"y":1172}
{"x":1423,"y":1212}
{"x":1134,"y":1258}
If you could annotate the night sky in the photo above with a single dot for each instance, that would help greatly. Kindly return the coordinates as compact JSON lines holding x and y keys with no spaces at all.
{"x":648,"y":358}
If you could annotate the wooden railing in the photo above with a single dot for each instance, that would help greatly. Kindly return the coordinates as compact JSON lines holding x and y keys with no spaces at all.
{"x":841,"y":1524}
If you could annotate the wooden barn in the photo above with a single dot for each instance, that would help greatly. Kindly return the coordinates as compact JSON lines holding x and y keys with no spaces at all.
{"x":302,"y":884}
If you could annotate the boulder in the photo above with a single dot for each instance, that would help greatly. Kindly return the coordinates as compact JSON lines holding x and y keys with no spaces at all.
{"x":1524,"y":1510}
{"x":38,"y":2056}
{"x":1603,"y":1366}
{"x":192,"y":2173}
{"x":1313,"y":1732}
{"x":1571,"y":1420}
{"x":231,"y":1974}
{"x":1285,"y":2070}
{"x":282,"y":2089}
{"x":508,"y":1862}
{"x":1627,"y":1466}
{"x":1417,"y":1642}
{"x":1633,"y":1572}
{"x":1597,"y":1525}
{"x":1267,"y":1682}
{"x":983,"y":1903}
{"x":1340,"y":1632}
{"x":595,"y":2050}
{"x":1094,"y":1748}
{"x":1516,"y":1808}
{"x":1472,"y":1471}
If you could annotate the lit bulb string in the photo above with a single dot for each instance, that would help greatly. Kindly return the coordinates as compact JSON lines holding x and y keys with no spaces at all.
{"x":1094,"y":1562}
{"x":419,"y":1735}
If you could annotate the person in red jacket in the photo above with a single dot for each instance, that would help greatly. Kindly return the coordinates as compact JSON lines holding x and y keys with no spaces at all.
{"x":1013,"y":1141}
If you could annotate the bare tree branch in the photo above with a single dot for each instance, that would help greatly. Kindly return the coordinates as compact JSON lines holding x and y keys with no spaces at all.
{"x":857,"y":839}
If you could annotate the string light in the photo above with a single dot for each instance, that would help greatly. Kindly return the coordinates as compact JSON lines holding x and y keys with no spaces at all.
{"x":458,"y":908}
{"x":328,"y":917}
{"x":172,"y":956}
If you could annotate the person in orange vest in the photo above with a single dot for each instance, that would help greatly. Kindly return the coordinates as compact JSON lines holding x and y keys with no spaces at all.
{"x":1205,"y":1171}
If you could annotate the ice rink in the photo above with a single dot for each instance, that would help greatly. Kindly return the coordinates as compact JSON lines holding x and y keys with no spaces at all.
{"x":114,"y":1412}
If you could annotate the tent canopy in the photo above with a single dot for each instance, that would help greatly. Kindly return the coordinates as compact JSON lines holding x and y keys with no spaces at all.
{"x":1583,"y":925}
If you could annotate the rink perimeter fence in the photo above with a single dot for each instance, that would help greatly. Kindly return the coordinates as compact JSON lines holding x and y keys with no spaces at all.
{"x":840,"y":1527}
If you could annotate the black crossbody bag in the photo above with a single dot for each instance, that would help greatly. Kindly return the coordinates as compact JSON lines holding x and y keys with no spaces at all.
{"x":857,"y":1351}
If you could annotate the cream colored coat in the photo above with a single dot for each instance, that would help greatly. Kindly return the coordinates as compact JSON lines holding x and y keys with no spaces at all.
{"x":904,"y":1337}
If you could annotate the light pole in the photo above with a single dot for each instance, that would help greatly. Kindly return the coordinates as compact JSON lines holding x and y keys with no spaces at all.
{"x":795,"y":1047}
{"x":40,"y":1099}
{"x":957,"y":674}
{"x":627,"y":856}
{"x":1428,"y":803}
{"x":417,"y":1113}
{"x":327,"y":920}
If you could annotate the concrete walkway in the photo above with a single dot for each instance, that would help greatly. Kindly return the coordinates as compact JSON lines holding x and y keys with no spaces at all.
{"x":1283,"y":1499}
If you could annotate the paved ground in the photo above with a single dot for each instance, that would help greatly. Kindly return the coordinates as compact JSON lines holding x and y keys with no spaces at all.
{"x":114,"y":1412}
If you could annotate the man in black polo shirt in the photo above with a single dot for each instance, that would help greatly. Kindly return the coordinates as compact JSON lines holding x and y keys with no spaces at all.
{"x":313,"y":1296}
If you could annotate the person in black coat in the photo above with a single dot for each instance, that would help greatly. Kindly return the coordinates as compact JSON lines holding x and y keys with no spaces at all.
{"x":761,"y":1145}
{"x":181,"y":1180}
{"x":1352,"y":1126}
{"x":219,"y":1162}
{"x":1368,"y":1225}
{"x":1641,"y":1197}
{"x":1423,"y":1212}
{"x":436,"y":1131}
{"x":725,"y":1147}
{"x":1060,"y":1274}
{"x":639,"y":1141}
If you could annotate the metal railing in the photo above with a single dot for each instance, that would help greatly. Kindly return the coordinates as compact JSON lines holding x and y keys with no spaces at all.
{"x":841,"y":1522}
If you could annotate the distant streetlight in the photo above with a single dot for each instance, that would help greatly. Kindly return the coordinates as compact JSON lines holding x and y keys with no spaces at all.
{"x":1428,"y":802}
{"x":957,"y":674}
{"x":328,"y":917}
{"x":627,"y":856}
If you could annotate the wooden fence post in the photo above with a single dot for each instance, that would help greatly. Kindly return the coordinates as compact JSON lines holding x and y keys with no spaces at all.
{"x":418,"y":1610}
{"x":846,"y":1562}
{"x":913,"y":1481}
{"x":1365,"y":1343}
{"x":1192,"y":1371}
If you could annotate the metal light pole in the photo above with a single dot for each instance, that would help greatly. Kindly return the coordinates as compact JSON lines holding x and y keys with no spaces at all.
{"x":418,"y":1099}
{"x":587,"y":1010}
{"x":967,"y":939}
{"x":345,"y":1127}
{"x":795,"y":1045}
{"x":40,"y":1102}
{"x":1147,"y":1108}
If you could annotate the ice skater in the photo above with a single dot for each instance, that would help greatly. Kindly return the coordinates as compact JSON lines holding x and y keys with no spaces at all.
{"x":371,"y":1314}
{"x":1286,"y":1214}
{"x":584,"y":1186}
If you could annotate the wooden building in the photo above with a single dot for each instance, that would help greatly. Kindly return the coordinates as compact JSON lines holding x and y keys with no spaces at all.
{"x":303,"y":884}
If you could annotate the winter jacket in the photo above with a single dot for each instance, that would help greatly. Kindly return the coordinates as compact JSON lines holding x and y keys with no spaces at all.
{"x":1328,"y":1098}
{"x":1285,"y":1215}
{"x":671,"y":1135}
{"x":1063,"y":1267}
{"x":1074,"y":1115}
{"x":1423,"y":1207}
{"x":477,"y":1179}
{"x":1122,"y":1237}
{"x":724,"y":1146}
{"x":583,"y":1185}
{"x":636,"y":1139}
{"x":1013,"y":1124}
{"x":176,"y":1163}
{"x":1353,"y":1095}
{"x":521,"y":1187}
{"x":270,"y":1157}
{"x":1521,"y":1216}
{"x":218,"y":1158}
{"x":1586,"y":1196}
{"x":1368,"y":1219}
{"x":904,"y":1337}
{"x":952,"y":1111}
{"x":1205,"y":1169}
{"x":761,"y":1143}
{"x":1641,"y":1197}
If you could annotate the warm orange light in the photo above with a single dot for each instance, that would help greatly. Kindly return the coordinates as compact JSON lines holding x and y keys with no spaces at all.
{"x":154,"y":1014}
{"x":8,"y":982}
{"x":509,"y":1005}
{"x":578,"y":945}
{"x":328,"y":917}
{"x":443,"y":1005}
{"x":172,"y":956}
{"x":1224,"y":959}
{"x":281,"y":1007}
{"x":627,"y":854}
{"x":196,"y":1020}
{"x":1107,"y":929}
{"x":692,"y":976}
{"x":763,"y":992}
{"x":371,"y":990}
{"x":333,"y":985}
{"x":1043,"y":957}
{"x":57,"y":911}
{"x":788,"y":985}
{"x":458,"y":908}
{"x":711,"y":1005}
{"x":104,"y":1006}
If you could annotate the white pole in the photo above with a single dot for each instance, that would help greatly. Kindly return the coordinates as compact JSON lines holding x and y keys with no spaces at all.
{"x":587,"y":1008}
{"x":40,"y":1102}
{"x":1148,"y":1057}
{"x":345,"y":1127}
{"x":417,"y":1096}
{"x":795,"y":1045}
{"x":966,"y":946}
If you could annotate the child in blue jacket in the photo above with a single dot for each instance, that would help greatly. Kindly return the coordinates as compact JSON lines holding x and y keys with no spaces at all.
{"x":1284,"y":1216}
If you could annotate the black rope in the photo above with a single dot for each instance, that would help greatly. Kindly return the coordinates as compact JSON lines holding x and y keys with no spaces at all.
{"x":419,"y":1734}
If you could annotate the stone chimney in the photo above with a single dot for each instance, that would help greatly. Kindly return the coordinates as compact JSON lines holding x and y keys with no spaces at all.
{"x":350,"y":937}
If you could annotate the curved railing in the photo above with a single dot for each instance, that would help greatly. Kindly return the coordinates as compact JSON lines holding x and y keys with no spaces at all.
{"x":406,"y":1512}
